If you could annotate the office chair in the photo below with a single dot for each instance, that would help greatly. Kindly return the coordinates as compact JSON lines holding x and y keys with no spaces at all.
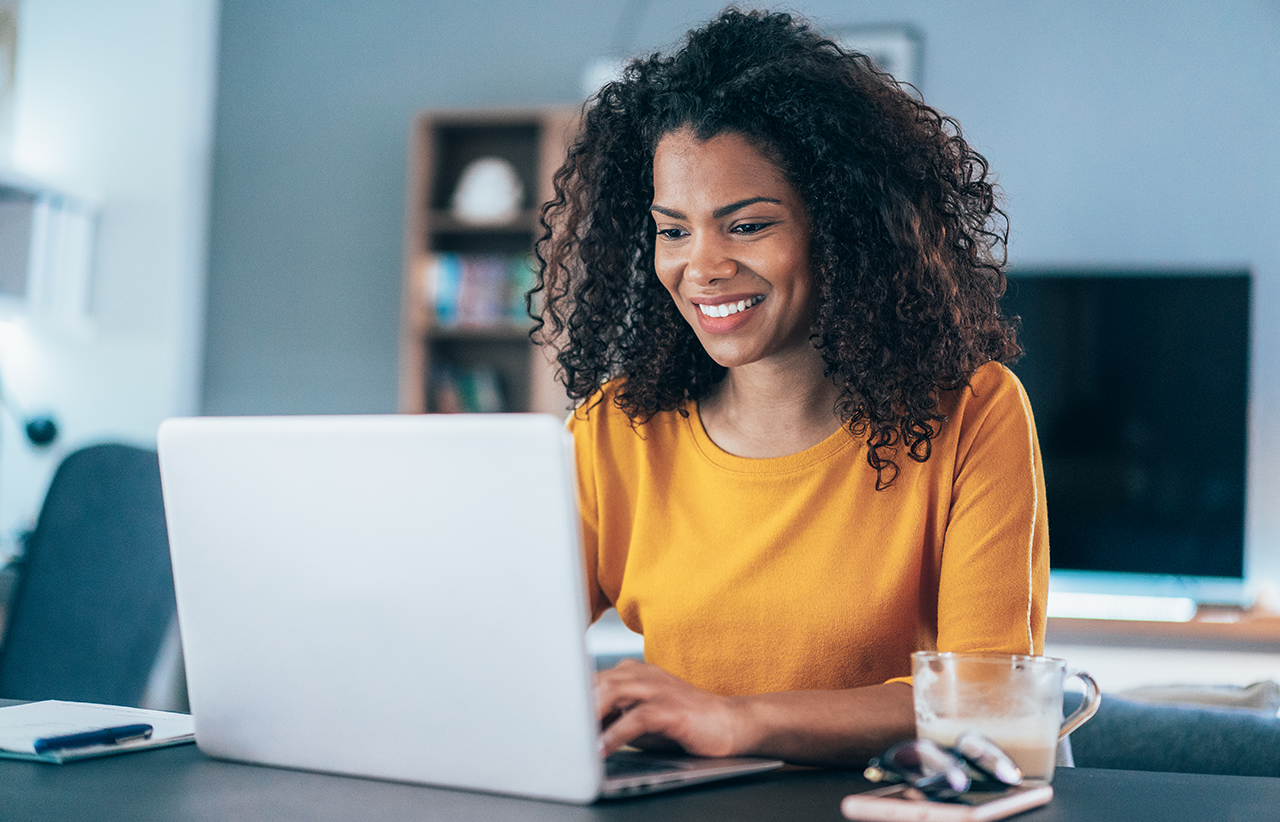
{"x":1137,"y":736}
{"x":94,"y":599}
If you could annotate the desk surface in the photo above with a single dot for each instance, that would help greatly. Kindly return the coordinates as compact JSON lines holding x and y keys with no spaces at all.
{"x":178,"y":784}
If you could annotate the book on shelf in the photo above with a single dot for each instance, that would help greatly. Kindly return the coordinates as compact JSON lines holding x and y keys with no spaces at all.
{"x":479,"y":289}
{"x":475,"y":389}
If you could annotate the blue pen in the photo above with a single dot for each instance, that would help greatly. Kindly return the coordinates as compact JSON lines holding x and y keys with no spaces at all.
{"x":84,"y":739}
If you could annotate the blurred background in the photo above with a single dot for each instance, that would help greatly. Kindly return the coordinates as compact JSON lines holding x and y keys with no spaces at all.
{"x":245,"y":166}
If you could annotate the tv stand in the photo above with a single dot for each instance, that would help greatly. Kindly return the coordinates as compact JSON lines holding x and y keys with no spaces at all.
{"x":1214,"y":627}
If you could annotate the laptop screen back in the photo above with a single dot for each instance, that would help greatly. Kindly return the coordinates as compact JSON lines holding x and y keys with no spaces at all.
{"x":398,"y":597}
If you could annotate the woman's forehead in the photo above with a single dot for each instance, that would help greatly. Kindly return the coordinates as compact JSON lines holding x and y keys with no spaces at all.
{"x":728,"y":162}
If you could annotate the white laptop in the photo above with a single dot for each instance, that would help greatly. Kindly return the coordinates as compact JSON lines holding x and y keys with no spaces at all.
{"x":398,"y":597}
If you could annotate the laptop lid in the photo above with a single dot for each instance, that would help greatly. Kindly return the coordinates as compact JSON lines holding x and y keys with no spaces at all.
{"x":397,"y":597}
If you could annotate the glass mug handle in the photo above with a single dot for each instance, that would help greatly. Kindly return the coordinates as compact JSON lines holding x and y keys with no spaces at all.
{"x":1088,"y":706}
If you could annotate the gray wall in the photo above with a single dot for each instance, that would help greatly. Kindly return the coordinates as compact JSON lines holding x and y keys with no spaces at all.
{"x":1124,"y":132}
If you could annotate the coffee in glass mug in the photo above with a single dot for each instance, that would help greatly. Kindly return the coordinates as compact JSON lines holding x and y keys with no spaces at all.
{"x":1013,"y":700}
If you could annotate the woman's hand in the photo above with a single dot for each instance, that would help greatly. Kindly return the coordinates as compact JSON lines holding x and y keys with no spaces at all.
{"x":644,"y":705}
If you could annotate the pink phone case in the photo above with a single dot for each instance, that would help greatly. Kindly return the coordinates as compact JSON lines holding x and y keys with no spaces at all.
{"x":889,"y":805}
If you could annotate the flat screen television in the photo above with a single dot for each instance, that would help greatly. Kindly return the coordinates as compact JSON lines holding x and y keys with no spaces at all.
{"x":1139,"y":384}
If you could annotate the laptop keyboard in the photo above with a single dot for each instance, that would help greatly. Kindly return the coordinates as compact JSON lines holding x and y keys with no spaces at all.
{"x":630,"y":763}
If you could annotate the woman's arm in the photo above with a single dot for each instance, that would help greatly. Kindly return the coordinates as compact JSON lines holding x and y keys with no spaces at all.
{"x":644,"y":705}
{"x":993,"y":579}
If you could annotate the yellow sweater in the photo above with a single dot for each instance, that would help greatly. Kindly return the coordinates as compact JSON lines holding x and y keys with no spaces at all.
{"x":764,"y":575}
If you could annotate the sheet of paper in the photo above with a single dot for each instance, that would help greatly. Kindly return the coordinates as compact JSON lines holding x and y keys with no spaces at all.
{"x":22,"y":725}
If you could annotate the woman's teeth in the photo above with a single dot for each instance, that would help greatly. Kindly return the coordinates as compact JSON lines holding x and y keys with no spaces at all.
{"x":725,"y":309}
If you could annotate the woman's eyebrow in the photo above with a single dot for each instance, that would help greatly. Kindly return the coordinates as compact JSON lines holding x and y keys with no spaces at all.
{"x":725,"y":211}
{"x":722,"y":211}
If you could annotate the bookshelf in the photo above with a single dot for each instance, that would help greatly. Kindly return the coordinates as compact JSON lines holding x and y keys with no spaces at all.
{"x":464,"y":335}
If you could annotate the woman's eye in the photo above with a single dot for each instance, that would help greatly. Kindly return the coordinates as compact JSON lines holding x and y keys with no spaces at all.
{"x":672,"y":233}
{"x":750,"y":228}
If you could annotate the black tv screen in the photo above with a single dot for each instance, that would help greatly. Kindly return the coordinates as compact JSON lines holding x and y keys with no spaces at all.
{"x":1139,"y":384}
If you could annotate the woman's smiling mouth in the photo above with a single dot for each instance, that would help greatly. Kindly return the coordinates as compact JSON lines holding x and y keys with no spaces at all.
{"x":725,"y":309}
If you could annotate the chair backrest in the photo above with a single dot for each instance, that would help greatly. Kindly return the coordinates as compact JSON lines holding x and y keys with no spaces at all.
{"x":1137,"y":736}
{"x":95,"y":593}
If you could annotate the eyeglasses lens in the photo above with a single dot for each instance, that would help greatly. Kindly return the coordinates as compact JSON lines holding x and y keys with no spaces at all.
{"x":946,"y":773}
{"x":987,"y":758}
{"x":927,"y":767}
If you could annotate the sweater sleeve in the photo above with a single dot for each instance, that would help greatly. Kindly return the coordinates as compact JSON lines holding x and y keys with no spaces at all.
{"x":994,"y":574}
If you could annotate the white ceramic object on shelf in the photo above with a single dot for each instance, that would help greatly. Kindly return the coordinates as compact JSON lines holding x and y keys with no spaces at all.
{"x":488,"y":193}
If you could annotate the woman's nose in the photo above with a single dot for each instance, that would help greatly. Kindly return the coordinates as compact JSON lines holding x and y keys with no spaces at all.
{"x":709,"y":261}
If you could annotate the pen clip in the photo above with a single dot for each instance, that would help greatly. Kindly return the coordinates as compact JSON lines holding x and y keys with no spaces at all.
{"x":133,"y":732}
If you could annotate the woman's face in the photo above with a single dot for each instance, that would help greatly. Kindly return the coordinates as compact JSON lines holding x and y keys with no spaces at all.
{"x":733,"y":248}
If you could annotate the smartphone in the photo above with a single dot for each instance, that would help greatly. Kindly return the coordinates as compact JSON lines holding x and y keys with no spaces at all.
{"x":892,"y":804}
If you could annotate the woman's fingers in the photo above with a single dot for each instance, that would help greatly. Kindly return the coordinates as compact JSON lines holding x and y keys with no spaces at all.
{"x":627,"y":728}
{"x":621,"y":687}
{"x":636,"y":701}
{"x":659,"y":724}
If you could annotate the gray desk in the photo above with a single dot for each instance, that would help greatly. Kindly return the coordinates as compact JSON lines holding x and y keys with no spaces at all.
{"x":180,"y":784}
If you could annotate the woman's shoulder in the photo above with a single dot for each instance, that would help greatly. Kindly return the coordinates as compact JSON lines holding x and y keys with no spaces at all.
{"x":993,"y":400}
{"x":994,"y":377}
{"x":992,"y":387}
{"x":601,"y":416}
{"x":988,"y":382}
{"x":600,"y":407}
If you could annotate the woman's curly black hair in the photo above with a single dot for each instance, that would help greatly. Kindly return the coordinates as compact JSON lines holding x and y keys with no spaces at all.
{"x":907,"y":246}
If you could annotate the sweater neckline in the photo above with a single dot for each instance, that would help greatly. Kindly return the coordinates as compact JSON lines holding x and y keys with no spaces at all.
{"x":836,"y":442}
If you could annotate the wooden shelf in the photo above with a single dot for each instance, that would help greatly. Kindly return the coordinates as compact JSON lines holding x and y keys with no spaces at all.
{"x":512,"y":332}
{"x":443,"y":222}
{"x":442,"y":144}
{"x":1218,"y":629}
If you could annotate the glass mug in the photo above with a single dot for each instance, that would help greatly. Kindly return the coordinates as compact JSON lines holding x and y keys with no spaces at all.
{"x":1013,"y":700}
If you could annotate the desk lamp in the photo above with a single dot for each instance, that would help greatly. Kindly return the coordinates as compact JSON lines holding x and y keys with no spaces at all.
{"x":41,"y":430}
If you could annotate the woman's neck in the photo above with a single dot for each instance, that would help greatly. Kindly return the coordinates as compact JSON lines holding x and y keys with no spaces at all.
{"x":771,"y":409}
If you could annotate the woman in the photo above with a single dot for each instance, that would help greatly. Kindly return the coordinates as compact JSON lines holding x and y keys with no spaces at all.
{"x":772,"y":278}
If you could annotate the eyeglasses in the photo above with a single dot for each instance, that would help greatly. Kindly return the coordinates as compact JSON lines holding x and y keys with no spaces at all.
{"x":973,"y":763}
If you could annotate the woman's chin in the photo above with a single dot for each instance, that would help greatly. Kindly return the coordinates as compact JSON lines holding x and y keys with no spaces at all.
{"x":729,"y":356}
